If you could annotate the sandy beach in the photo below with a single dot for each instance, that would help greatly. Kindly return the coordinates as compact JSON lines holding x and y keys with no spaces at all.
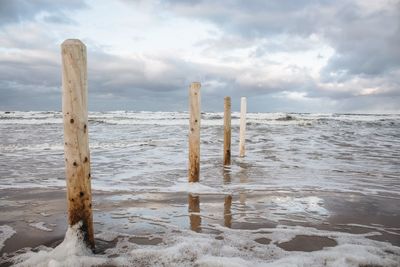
{"x":115,"y":213}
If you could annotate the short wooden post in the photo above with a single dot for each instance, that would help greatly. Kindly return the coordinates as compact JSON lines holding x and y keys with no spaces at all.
{"x":194,"y":209}
{"x":227,"y":130}
{"x":194,"y":132}
{"x":227,"y":211}
{"x":242,"y":139}
{"x":76,"y":141}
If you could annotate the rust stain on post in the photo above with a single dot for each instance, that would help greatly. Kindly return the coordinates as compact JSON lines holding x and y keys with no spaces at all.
{"x":76,"y":140}
{"x":194,"y":132}
{"x":227,"y":130}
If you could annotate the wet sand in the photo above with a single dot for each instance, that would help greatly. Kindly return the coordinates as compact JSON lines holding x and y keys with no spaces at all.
{"x":142,"y":219}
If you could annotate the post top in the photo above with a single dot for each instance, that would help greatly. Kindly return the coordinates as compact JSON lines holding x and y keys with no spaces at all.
{"x":195,"y":85}
{"x":72,"y":42}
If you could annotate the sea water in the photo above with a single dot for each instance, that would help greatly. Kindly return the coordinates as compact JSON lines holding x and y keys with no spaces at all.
{"x":313,"y":189}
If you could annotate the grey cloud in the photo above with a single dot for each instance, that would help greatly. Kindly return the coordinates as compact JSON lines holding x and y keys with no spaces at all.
{"x":17,"y":96}
{"x":283,"y":44}
{"x":57,"y":19}
{"x":120,"y":83}
{"x":32,"y":67}
{"x":31,"y":78}
{"x":257,"y":18}
{"x":364,"y":41}
{"x":365,"y":44}
{"x":126,"y":83}
{"x":369,"y":104}
{"x":14,"y":11}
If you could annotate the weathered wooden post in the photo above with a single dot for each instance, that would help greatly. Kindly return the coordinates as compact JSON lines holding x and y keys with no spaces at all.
{"x":76,"y":141}
{"x":242,"y":139}
{"x":194,"y":132}
{"x":227,"y":130}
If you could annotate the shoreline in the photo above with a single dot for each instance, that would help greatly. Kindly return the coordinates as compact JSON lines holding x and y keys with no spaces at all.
{"x":49,"y":206}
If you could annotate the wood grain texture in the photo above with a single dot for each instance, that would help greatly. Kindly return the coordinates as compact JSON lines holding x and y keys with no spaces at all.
{"x":76,"y":140}
{"x":227,"y":130}
{"x":194,"y":132}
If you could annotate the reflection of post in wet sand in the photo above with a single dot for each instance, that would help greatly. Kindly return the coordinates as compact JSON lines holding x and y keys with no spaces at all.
{"x":242,"y":198}
{"x":243,"y":177}
{"x":227,"y":175}
{"x":194,"y":210}
{"x":227,"y":211}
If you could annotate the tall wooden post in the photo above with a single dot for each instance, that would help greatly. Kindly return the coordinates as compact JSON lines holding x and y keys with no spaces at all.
{"x":76,"y":141}
{"x":194,"y":132}
{"x":227,"y":130}
{"x":242,"y":139}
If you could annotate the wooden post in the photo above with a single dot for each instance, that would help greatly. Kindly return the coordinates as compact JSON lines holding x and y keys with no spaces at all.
{"x":76,"y":141}
{"x":242,"y":139}
{"x":194,"y":207}
{"x":227,"y":130}
{"x":194,"y":132}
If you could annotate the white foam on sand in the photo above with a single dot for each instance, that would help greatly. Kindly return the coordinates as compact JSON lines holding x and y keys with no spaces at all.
{"x":234,"y":248}
{"x":238,"y":248}
{"x":71,"y":252}
{"x":5,"y":233}
{"x":41,"y":226}
{"x":292,"y":205}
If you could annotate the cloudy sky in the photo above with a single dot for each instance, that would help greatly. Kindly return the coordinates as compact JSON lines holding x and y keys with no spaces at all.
{"x":284,"y":55}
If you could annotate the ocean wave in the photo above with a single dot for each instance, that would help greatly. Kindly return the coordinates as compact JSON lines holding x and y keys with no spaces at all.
{"x":181,"y":118}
